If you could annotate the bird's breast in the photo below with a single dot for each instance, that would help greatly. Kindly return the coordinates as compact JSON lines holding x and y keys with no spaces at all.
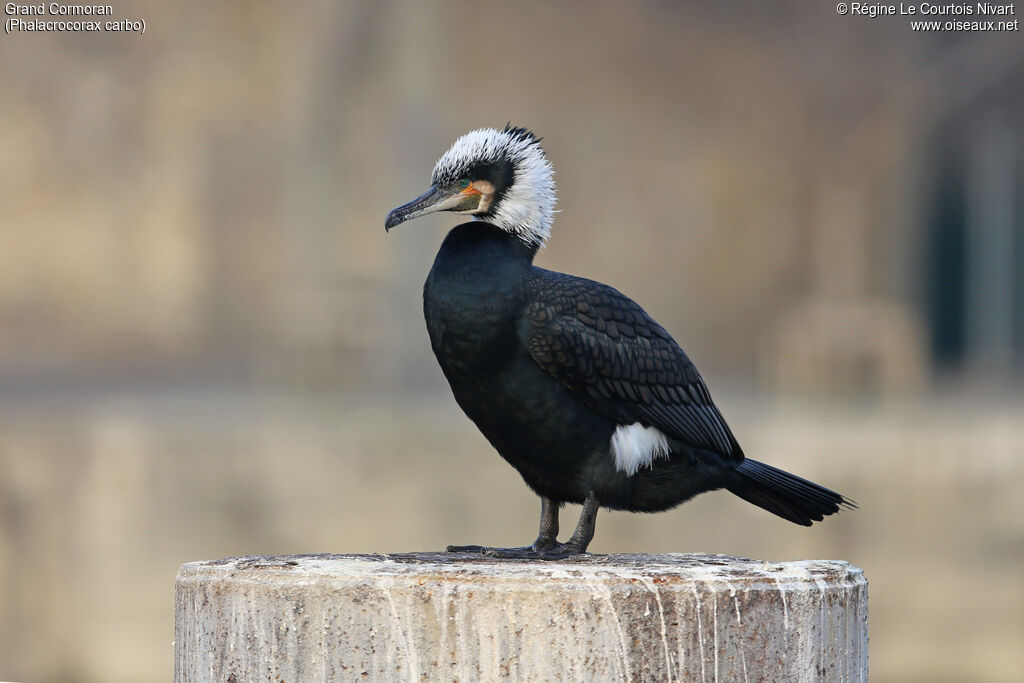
{"x":467,"y":324}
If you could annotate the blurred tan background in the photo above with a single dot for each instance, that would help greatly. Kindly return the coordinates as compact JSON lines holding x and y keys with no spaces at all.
{"x":209,"y":347}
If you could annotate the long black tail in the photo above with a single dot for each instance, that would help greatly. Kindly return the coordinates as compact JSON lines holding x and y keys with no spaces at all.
{"x":784,"y":494}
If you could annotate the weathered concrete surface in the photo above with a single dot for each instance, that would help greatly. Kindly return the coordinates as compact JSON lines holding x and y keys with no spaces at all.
{"x":439,"y":616}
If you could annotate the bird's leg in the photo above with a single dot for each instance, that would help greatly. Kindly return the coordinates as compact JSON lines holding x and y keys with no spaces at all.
{"x":546,"y":538}
{"x":546,"y":547}
{"x":584,"y":532}
{"x":581,"y":536}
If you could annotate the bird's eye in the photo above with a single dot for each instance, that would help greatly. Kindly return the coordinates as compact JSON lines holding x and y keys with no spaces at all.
{"x":463,"y":184}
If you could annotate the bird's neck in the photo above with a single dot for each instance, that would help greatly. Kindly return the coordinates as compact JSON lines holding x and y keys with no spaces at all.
{"x":474,"y":291}
{"x":485,"y":242}
{"x":479,"y":264}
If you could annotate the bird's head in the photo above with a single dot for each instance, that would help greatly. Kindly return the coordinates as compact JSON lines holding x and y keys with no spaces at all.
{"x":498,"y":176}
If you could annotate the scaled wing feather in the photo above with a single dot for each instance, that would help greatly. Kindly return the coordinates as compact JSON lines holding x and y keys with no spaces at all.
{"x":606,"y":349}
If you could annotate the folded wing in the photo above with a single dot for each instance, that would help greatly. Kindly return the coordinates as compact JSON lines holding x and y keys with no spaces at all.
{"x":603,"y":347}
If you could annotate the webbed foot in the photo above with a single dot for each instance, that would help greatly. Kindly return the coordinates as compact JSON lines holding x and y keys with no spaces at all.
{"x":546,"y":547}
{"x":537,"y":551}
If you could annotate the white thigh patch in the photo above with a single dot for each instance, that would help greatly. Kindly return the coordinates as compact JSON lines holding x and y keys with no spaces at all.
{"x":635,"y":446}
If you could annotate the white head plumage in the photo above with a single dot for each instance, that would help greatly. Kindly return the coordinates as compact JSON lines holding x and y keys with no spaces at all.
{"x":526,"y":206}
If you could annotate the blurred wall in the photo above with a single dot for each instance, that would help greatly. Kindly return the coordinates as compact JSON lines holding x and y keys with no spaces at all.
{"x":208,"y":197}
{"x":208,"y":346}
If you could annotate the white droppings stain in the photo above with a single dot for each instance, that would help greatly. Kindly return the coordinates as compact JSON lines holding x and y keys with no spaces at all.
{"x":735,"y":601}
{"x":700,"y":633}
{"x":512,"y":612}
{"x":785,"y":606}
{"x":399,"y":625}
{"x":681,"y":665}
{"x":462,"y":629}
{"x":606,"y":594}
{"x":714,"y":615}
{"x":447,"y":596}
{"x":823,"y":644}
{"x":653,"y":588}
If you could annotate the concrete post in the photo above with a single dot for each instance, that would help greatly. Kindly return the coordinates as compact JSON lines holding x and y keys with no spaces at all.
{"x":438,"y":616}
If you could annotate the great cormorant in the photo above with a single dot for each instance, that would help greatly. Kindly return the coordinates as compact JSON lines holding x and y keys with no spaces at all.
{"x":573,"y":384}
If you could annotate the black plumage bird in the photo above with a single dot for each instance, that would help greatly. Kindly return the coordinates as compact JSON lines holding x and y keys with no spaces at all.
{"x":573,"y":384}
